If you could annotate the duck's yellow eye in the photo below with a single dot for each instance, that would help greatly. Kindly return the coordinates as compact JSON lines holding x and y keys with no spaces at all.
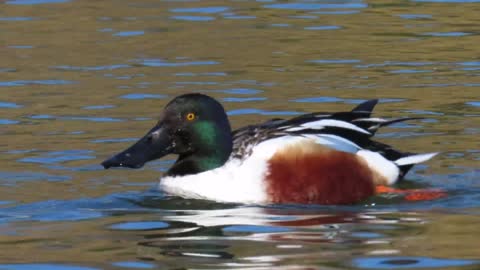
{"x":190,"y":116}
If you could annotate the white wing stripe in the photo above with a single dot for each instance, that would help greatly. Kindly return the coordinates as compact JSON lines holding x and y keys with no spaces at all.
{"x":333,"y":123}
{"x":295,"y":129}
{"x":335,"y":142}
{"x":373,"y":120}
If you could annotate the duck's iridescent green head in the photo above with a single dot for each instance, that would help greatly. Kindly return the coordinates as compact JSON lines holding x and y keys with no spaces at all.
{"x":194,"y":126}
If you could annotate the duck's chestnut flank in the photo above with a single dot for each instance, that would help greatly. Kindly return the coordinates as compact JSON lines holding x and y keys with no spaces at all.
{"x":314,"y":174}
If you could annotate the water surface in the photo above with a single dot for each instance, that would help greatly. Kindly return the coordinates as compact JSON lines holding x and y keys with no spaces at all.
{"x":80,"y":80}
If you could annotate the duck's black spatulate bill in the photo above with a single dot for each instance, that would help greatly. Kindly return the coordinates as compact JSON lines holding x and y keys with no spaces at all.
{"x":155,"y":144}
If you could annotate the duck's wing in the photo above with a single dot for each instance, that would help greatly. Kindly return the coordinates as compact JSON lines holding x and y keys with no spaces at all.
{"x":346,"y":131}
{"x":338,"y":124}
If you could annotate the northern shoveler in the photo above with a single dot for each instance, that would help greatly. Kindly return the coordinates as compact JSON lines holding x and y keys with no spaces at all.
{"x":321,"y":158}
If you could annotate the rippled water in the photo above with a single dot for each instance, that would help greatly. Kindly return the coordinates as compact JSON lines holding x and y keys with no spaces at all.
{"x":80,"y":80}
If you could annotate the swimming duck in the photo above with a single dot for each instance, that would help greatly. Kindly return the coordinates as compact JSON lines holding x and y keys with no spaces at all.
{"x":318,"y":158}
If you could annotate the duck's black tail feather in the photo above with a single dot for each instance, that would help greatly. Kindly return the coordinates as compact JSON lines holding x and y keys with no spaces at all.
{"x":366,"y":107}
{"x":409,"y":160}
{"x":404,"y":160}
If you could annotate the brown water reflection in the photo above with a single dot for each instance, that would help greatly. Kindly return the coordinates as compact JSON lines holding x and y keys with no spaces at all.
{"x":82,"y":79}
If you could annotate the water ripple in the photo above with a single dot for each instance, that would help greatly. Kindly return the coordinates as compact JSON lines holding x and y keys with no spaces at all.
{"x":120,"y":140}
{"x":473,"y":103}
{"x":137,"y":265}
{"x":239,"y":17}
{"x":35,"y":82}
{"x":7,"y":70}
{"x":323,"y":27}
{"x":13,"y":177}
{"x":201,"y":74}
{"x":8,"y":122}
{"x":43,"y":266}
{"x":98,"y":107}
{"x":334,"y":61}
{"x":336,"y":12}
{"x":74,"y":210}
{"x":396,"y":63}
{"x":409,"y":262}
{"x":196,"y":83}
{"x":140,"y":225}
{"x":143,"y":96}
{"x":194,"y":18}
{"x":313,"y":6}
{"x":91,"y":118}
{"x":59,"y":157}
{"x":260,"y":112}
{"x":16,"y":18}
{"x":34,"y":2}
{"x":9,"y":105}
{"x":344,"y":100}
{"x":93,"y":68}
{"x":447,"y":1}
{"x":163,"y":63}
{"x":128,"y":33}
{"x":415,"y":16}
{"x":280,"y":25}
{"x":447,"y":34}
{"x":240,"y":91}
{"x":75,"y":118}
{"x":249,"y":99}
{"x":21,"y":46}
{"x":470,"y":63}
{"x":206,"y":10}
{"x":409,"y":71}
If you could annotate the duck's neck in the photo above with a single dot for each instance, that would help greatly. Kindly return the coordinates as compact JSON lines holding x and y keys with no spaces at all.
{"x":211,"y":148}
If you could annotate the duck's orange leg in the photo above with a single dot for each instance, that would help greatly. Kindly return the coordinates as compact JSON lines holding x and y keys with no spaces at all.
{"x":414,"y":194}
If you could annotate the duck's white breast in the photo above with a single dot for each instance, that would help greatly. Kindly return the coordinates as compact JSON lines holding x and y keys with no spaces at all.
{"x":233,"y":182}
